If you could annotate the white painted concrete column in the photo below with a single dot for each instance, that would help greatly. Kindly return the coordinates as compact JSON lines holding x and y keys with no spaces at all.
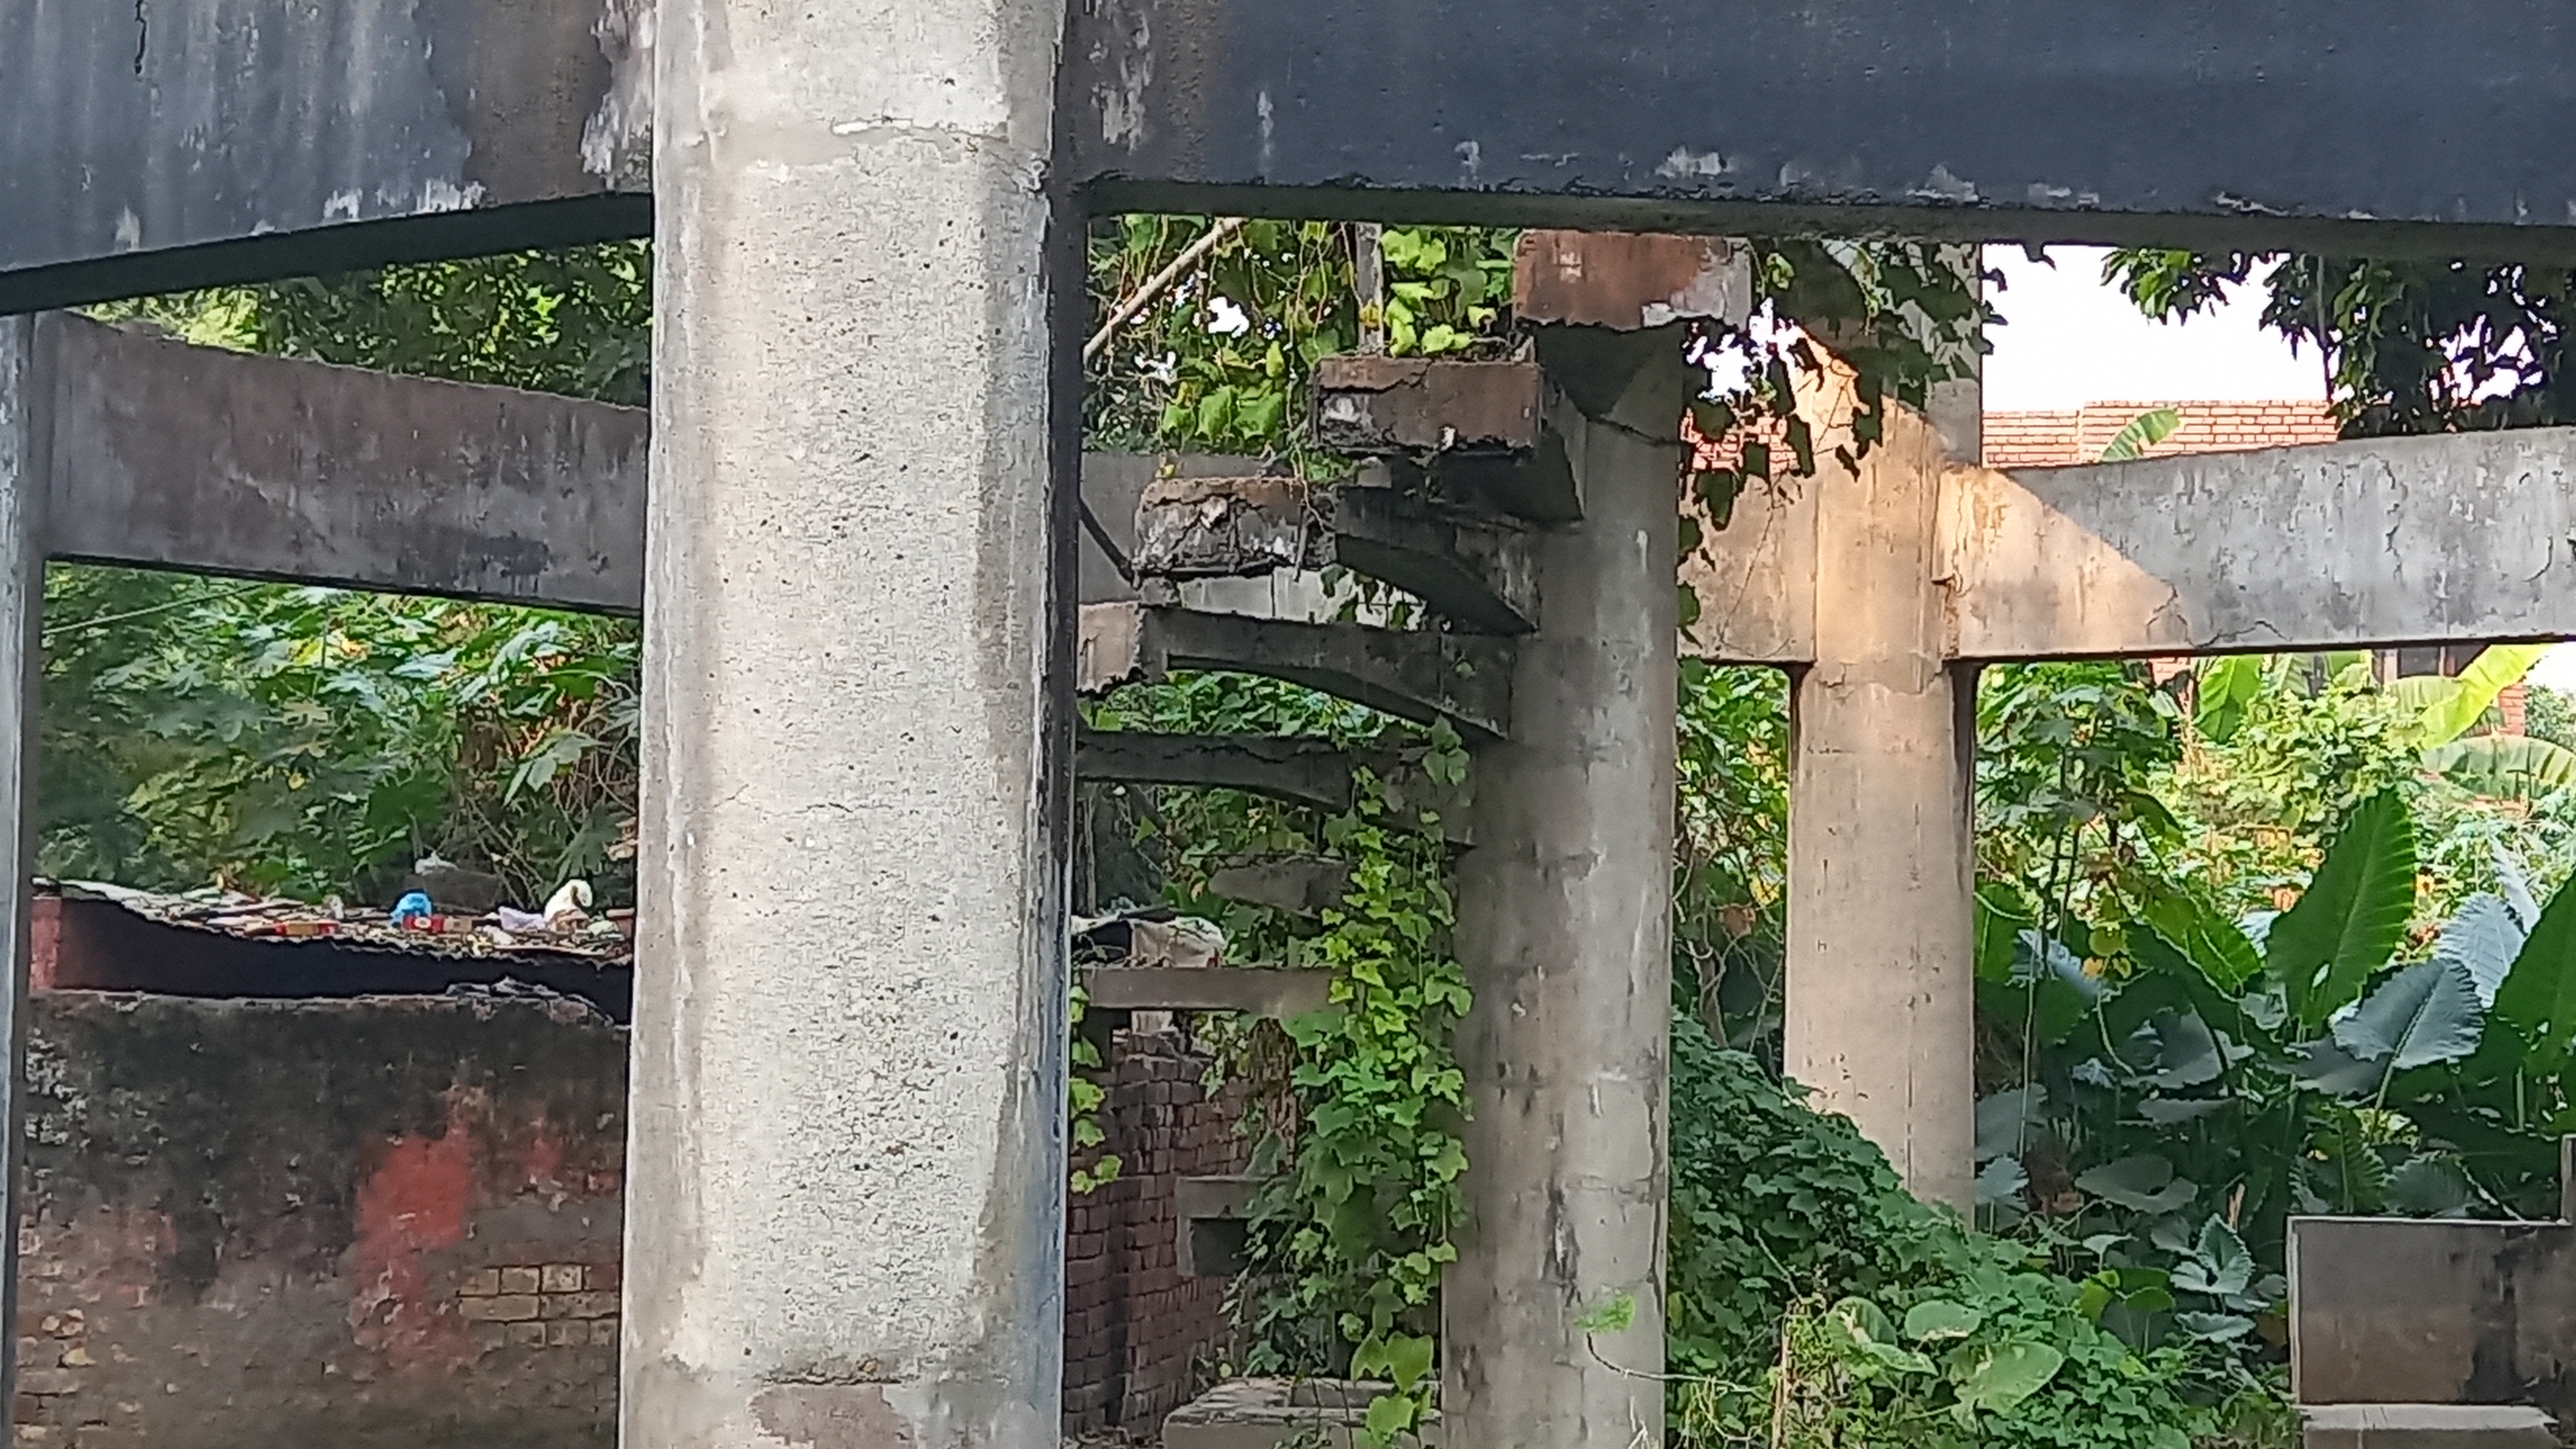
{"x":24,"y":447}
{"x":1881,"y":1000}
{"x":1565,"y":929}
{"x":844,"y":1211}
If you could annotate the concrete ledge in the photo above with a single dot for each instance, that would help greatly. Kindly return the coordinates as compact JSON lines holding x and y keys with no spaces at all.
{"x":1269,"y":1413}
{"x":1278,"y":994}
{"x":2424,"y":1426}
{"x":1410,"y":673}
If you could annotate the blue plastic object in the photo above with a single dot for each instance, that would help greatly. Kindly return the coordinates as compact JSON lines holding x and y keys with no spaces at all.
{"x":414,"y":906}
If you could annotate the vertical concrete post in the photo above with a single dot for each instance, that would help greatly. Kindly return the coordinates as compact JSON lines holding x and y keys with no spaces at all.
{"x":1565,"y":931}
{"x":1881,"y":995}
{"x":24,"y":446}
{"x":844,"y":1206}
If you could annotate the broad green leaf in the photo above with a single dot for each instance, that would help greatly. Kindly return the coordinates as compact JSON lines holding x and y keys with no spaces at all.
{"x":2514,"y":880}
{"x":2352,"y":915}
{"x":1388,"y":1416}
{"x":1865,"y":1321}
{"x":2425,"y":1013}
{"x":2226,"y":688}
{"x":2481,"y":938}
{"x":2004,"y":1119}
{"x":2538,"y":996}
{"x":2001,"y":918}
{"x":2455,"y":712}
{"x":1938,"y":1318}
{"x":2219,"y":1265}
{"x":2008,"y":1374}
{"x":2428,"y":1186}
{"x":2145,"y":1182}
{"x":2330,"y":1069}
{"x":2186,"y":1053}
{"x":2503,"y":767}
{"x":2000,"y":1183}
{"x":2218,"y":1327}
{"x":2207,"y":939}
{"x":2141,"y":433}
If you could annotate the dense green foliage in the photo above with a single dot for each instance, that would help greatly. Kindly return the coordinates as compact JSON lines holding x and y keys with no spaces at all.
{"x":1814,"y":1303}
{"x":315,"y":742}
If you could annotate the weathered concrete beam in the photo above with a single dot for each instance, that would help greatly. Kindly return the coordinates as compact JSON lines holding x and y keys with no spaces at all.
{"x":186,"y":143}
{"x":1276,"y":993}
{"x":1412,"y":674}
{"x":1301,"y":771}
{"x":1473,"y":569}
{"x":2366,"y":544}
{"x":170,"y":456}
{"x":2010,"y":120}
{"x":22,"y":607}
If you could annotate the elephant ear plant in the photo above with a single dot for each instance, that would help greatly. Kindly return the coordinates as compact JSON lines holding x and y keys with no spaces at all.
{"x":2190,"y":1089}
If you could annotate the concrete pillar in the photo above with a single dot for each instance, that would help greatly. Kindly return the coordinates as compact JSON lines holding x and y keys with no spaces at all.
{"x":24,"y":449}
{"x":1881,"y":992}
{"x":844,"y":1205}
{"x":1564,"y":916}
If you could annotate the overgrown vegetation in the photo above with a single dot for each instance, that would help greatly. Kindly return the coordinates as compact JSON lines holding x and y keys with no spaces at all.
{"x":2256,"y":940}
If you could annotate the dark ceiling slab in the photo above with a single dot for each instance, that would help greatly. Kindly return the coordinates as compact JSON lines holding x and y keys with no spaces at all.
{"x":178,"y":143}
{"x":173,"y":143}
{"x":2380,"y":126}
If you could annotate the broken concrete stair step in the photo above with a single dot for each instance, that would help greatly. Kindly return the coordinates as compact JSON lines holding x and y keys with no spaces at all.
{"x":1474,"y":568}
{"x":1413,"y":674}
{"x":1491,"y":435}
{"x":1277,"y":993}
{"x":1272,"y":1413}
{"x":1302,"y":885}
{"x":1301,"y":771}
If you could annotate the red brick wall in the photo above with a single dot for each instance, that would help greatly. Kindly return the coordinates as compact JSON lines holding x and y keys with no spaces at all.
{"x":394,"y":1223}
{"x":2078,"y":435}
{"x":1134,"y":1329}
{"x":276,"y":1222}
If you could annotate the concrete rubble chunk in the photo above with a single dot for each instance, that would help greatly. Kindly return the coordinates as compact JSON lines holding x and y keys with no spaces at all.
{"x":1413,"y":674}
{"x":1267,"y":1413}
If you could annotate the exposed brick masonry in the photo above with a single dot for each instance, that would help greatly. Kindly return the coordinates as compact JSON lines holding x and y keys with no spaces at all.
{"x":1135,"y":1331}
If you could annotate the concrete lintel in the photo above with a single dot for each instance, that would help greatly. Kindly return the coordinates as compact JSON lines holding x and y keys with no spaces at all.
{"x":1277,"y":993}
{"x":2370,"y":543}
{"x":1412,"y":674}
{"x":1473,"y":569}
{"x":172,"y":456}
